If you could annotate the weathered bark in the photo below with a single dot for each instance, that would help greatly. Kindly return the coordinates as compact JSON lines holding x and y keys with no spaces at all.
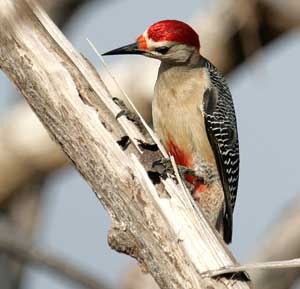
{"x":281,"y":243}
{"x":160,"y":226}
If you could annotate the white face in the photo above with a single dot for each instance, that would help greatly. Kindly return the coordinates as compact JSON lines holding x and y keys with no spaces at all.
{"x":169,"y":51}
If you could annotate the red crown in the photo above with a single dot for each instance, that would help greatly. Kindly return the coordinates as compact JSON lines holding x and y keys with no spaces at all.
{"x":174,"y":30}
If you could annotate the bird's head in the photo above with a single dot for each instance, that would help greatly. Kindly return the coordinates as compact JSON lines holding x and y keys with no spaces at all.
{"x":170,"y":41}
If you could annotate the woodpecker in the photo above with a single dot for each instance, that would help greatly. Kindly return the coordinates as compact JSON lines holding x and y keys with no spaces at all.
{"x":194,"y":116}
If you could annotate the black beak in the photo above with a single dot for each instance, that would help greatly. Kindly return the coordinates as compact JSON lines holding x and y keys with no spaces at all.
{"x":128,"y":49}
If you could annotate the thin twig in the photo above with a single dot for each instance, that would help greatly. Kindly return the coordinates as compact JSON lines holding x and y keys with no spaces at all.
{"x":293,"y":263}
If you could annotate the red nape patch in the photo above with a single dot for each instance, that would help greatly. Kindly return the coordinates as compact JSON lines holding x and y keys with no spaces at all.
{"x":174,"y":30}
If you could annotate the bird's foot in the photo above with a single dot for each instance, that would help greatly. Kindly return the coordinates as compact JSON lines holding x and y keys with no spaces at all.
{"x":147,"y":146}
{"x":164,"y":167}
{"x":189,"y":173}
{"x":124,"y":110}
{"x":194,"y":181}
{"x":183,"y":171}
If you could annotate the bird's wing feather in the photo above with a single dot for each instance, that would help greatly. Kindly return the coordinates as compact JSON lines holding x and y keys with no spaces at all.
{"x":220,"y":123}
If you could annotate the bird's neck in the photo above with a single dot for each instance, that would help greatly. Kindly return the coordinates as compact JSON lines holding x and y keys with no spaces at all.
{"x":194,"y":61}
{"x":187,"y":58}
{"x":172,"y":69}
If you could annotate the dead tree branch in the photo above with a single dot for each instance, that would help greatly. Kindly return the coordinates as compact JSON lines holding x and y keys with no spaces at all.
{"x":286,"y":264}
{"x":18,"y":247}
{"x":282,"y":244}
{"x":160,"y":226}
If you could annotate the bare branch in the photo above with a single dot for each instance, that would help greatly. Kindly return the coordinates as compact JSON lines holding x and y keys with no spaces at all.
{"x":18,"y":247}
{"x":160,"y":226}
{"x":280,"y":246}
{"x":294,"y":263}
{"x":282,"y":242}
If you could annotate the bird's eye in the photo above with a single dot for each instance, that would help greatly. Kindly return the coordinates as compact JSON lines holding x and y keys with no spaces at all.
{"x":162,"y":49}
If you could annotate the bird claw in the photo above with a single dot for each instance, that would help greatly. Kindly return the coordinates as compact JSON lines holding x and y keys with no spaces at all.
{"x":121,"y":113}
{"x":164,"y":167}
{"x":129,"y":114}
{"x":118,"y":101}
{"x":164,"y":162}
{"x":186,"y":171}
{"x":125,"y":111}
{"x":147,"y":146}
{"x":197,"y":186}
{"x":167,"y":169}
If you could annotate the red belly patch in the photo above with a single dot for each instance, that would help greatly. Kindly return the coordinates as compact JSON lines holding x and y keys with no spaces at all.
{"x":180,"y":156}
{"x":186,"y":160}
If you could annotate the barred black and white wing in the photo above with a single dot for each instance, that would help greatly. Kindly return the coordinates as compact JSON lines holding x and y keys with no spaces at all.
{"x":221,"y":128}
